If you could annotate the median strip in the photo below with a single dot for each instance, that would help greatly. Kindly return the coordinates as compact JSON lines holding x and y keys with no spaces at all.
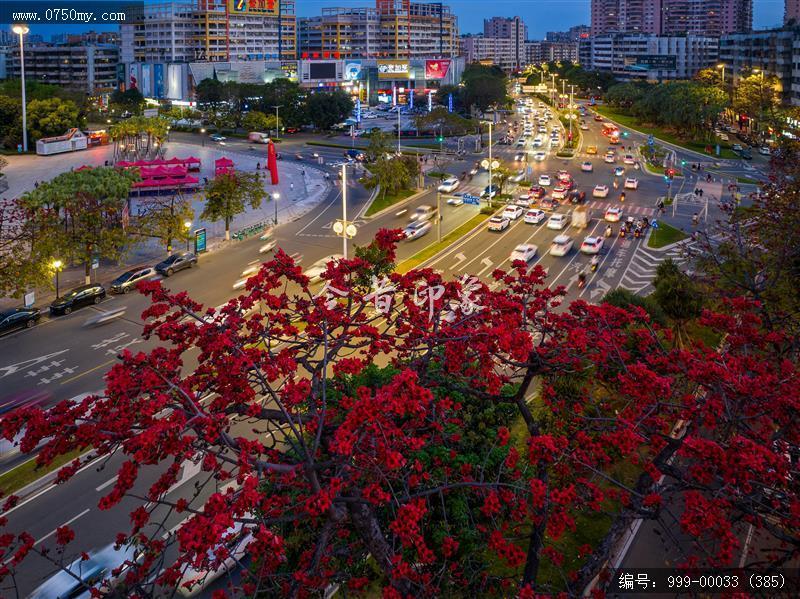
{"x":434,"y":248}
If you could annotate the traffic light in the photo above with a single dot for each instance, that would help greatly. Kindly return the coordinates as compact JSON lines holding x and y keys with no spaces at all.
{"x":683,"y":163}
{"x":624,"y":134}
{"x":440,"y":139}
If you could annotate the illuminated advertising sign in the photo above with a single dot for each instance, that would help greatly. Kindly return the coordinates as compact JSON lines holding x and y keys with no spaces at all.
{"x":352,"y":70}
{"x":393,"y":69}
{"x":436,"y":69}
{"x":253,"y":7}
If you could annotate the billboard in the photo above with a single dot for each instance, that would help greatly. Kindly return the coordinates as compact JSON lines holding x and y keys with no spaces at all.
{"x":651,"y":62}
{"x":147,"y":88}
{"x":393,"y":69}
{"x":352,"y":70}
{"x":322,"y":70}
{"x":436,"y":69}
{"x":253,"y":7}
{"x":134,"y":73}
{"x":158,"y":80}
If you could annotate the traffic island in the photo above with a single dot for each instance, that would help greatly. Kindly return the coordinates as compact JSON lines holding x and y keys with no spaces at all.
{"x":665,"y":235}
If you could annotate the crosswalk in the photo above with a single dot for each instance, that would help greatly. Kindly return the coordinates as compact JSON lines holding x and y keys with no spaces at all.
{"x":641,"y":270}
{"x":627,"y":209}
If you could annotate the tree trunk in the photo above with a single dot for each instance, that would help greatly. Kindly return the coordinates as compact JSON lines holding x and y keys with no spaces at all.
{"x":227,"y":229}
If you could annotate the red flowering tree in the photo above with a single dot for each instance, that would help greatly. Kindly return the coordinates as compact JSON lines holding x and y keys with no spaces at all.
{"x":432,"y":437}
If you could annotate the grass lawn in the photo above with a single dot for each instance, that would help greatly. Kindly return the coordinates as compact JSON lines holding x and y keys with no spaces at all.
{"x":27,"y":472}
{"x":664,"y":235}
{"x":434,"y":248}
{"x":662,"y":134}
{"x":384,"y":201}
{"x":748,"y":181}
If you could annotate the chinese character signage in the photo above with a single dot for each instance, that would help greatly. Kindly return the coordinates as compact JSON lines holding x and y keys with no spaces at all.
{"x":392,"y":69}
{"x":436,"y":69}
{"x":253,"y":7}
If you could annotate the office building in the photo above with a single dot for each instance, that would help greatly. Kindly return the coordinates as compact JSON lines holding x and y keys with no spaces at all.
{"x":573,"y":34}
{"x":672,"y":17}
{"x":544,"y":51}
{"x":91,"y":68}
{"x":510,"y":28}
{"x":498,"y":51}
{"x":649,"y":57}
{"x":791,"y":13}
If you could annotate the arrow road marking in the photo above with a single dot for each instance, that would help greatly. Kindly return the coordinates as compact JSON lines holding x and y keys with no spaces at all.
{"x":460,"y":257}
{"x":12,"y":368}
{"x":487,"y":264}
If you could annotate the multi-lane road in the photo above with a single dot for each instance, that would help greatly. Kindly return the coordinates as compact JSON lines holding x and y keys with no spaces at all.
{"x":65,"y":359}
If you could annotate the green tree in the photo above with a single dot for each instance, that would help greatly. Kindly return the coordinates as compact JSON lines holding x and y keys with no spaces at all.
{"x":625,"y":95}
{"x":210,"y":94}
{"x":443,"y":93}
{"x":449,"y":123}
{"x":484,"y":86}
{"x":758,"y":95}
{"x":622,"y":298}
{"x":501,"y":176}
{"x":394,"y":174}
{"x":325,"y":109}
{"x":78,"y":216}
{"x":20,"y":269}
{"x":709,"y":77}
{"x":230,"y":194}
{"x":378,"y":146}
{"x":139,"y":137}
{"x":679,"y":298}
{"x":130,"y":101}
{"x":50,"y":117}
{"x":10,"y":122}
{"x":258,"y":121}
{"x":165,"y":218}
{"x":290,"y":97}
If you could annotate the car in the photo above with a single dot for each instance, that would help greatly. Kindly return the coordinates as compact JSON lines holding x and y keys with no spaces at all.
{"x":587,"y":167}
{"x":737,"y":147}
{"x":535,"y":216}
{"x":518,"y":176}
{"x":101,"y":572}
{"x":457,"y":199}
{"x":628,"y":159}
{"x":557,"y":221}
{"x":544,"y":180}
{"x":563,"y":175}
{"x":600,"y":191}
{"x":127,"y":281}
{"x":577,"y":197}
{"x":539,"y":156}
{"x":519,"y":157}
{"x":591,"y":149}
{"x":18,"y":318}
{"x":512,"y":212}
{"x":631,"y":183}
{"x":610,"y":158}
{"x":315,"y":271}
{"x":449,"y":184}
{"x":416,"y":230}
{"x":490,"y":191}
{"x":474,"y":170}
{"x":542,"y":129}
{"x":764,"y":151}
{"x":524,"y":251}
{"x":537,"y":192}
{"x":175,"y":262}
{"x":592,"y":245}
{"x":217,"y":137}
{"x":537,"y":141}
{"x":521,"y":142}
{"x":613,"y":214}
{"x":423,"y":213}
{"x":598,"y":118}
{"x":561,"y":245}
{"x":746,"y":154}
{"x":94,"y":293}
{"x":584,"y":127}
{"x":619,"y":171}
{"x":724,"y":137}
{"x":524,"y":199}
{"x":498,"y":223}
{"x":560,"y":191}
{"x":548,"y":204}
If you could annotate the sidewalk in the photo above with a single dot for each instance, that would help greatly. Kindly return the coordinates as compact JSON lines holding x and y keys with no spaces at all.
{"x":301,"y":188}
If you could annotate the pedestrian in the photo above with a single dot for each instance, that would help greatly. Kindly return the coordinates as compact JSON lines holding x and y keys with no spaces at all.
{"x":291,"y":186}
{"x":701,"y":192}
{"x":304,"y":173}
{"x":258,"y":166}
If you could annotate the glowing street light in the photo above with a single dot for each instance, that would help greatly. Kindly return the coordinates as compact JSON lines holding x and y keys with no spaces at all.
{"x":187,"y":225}
{"x":57,"y":265}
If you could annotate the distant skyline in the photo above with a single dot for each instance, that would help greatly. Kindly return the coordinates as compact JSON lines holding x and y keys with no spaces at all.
{"x":540,"y":16}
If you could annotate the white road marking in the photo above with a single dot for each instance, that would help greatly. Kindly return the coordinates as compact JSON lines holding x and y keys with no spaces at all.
{"x":108,"y":483}
{"x":67,"y":523}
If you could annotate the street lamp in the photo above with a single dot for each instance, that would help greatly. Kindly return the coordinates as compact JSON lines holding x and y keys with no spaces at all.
{"x":344,"y":229}
{"x":277,"y":120}
{"x":21,"y":29}
{"x":187,"y":225}
{"x":56,"y":266}
{"x":722,"y":67}
{"x":275,"y":197}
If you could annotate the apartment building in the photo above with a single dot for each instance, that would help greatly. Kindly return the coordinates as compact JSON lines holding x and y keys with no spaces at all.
{"x":511,"y":28}
{"x":91,"y":68}
{"x":545,"y":51}
{"x":791,"y":12}
{"x":671,"y":17}
{"x":499,"y":51}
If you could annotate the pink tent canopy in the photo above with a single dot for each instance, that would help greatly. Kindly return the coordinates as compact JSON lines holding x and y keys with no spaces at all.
{"x":192,"y":160}
{"x":164,"y":171}
{"x":146,"y":183}
{"x":124,"y":164}
{"x":85,"y":167}
{"x":223,"y":162}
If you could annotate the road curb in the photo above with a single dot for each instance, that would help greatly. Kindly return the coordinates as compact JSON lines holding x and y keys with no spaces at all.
{"x":389,"y":209}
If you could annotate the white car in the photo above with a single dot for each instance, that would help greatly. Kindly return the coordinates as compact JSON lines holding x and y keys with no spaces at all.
{"x":519,"y":157}
{"x":584,"y":127}
{"x":417,"y":229}
{"x":537,"y":141}
{"x":610,"y":158}
{"x":512,"y":212}
{"x":619,"y":171}
{"x":592,"y":245}
{"x":521,"y":142}
{"x":525,"y":252}
{"x":524,"y":200}
{"x":314,"y":272}
{"x":557,"y":221}
{"x":561,"y":245}
{"x":600,"y":191}
{"x":449,"y":184}
{"x":764,"y":151}
{"x":544,"y":180}
{"x":535,"y":217}
{"x":518,"y":176}
{"x":498,"y":223}
{"x":613,"y":215}
{"x":457,"y":199}
{"x":422,"y":213}
{"x":628,"y":159}
{"x":539,"y":156}
{"x":631,"y":183}
{"x":587,"y":167}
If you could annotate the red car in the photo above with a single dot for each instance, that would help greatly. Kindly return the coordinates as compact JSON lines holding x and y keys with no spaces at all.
{"x":548,"y":204}
{"x":292,"y":130}
{"x":537,"y":192}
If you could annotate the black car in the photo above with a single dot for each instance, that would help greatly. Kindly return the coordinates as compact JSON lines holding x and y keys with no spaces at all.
{"x":77,"y":298}
{"x":177,"y":261}
{"x":126,"y":282}
{"x":18,"y":318}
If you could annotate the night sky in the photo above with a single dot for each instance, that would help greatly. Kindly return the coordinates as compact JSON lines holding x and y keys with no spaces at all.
{"x":540,"y":15}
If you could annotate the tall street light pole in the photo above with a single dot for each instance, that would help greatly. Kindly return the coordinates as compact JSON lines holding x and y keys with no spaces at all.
{"x":398,"y":130}
{"x":57,"y":264}
{"x":277,"y":121}
{"x":343,"y":228}
{"x":275,"y":197}
{"x":21,"y":30}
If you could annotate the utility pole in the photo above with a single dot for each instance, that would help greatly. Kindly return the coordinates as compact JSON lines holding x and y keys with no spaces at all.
{"x":490,"y":163}
{"x":438,"y":216}
{"x":344,"y":210}
{"x":277,"y":121}
{"x":398,"y":131}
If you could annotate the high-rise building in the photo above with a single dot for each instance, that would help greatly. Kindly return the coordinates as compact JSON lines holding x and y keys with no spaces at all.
{"x":791,"y":11}
{"x":90,"y":68}
{"x":672,"y":17}
{"x":511,"y":28}
{"x":573,"y":34}
{"x":547,"y":51}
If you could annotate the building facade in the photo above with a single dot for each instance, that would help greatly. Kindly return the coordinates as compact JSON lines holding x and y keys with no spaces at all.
{"x":499,"y":51}
{"x":791,"y":13}
{"x":544,"y":51}
{"x":91,"y":68}
{"x":672,"y":17}
{"x":573,"y":34}
{"x":649,"y":57}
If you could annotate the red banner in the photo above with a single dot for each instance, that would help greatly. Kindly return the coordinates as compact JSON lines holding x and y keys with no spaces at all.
{"x":436,"y":69}
{"x":272,"y":162}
